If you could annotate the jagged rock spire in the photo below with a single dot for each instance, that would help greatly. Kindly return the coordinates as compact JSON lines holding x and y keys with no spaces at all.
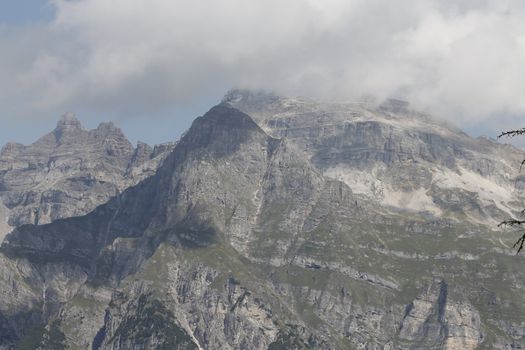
{"x":69,"y":121}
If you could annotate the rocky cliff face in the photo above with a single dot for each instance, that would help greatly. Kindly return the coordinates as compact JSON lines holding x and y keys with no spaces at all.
{"x":394,"y":155}
{"x":69,"y":172}
{"x":247,"y":238}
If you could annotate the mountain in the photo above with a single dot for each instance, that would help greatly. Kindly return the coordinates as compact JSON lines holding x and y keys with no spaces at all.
{"x":399,"y":157}
{"x":69,"y":172}
{"x":280,"y":223}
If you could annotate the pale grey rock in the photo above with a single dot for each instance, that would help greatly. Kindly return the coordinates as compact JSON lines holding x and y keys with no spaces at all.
{"x":395,"y":155}
{"x":69,"y":172}
{"x":4,"y":221}
{"x":434,"y":321}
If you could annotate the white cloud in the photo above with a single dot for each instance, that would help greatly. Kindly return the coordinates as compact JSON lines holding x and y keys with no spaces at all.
{"x":461,"y":59}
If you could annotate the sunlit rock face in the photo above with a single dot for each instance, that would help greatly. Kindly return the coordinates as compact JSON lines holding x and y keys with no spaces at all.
{"x":404,"y":159}
{"x":280,"y":223}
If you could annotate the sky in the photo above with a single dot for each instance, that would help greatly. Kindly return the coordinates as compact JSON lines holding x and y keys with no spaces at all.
{"x":152,"y":66}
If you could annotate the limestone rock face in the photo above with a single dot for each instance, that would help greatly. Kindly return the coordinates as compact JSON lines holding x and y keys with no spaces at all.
{"x":433,"y":320}
{"x":4,"y":221}
{"x":397,"y":156}
{"x":69,"y":172}
{"x":270,"y":228}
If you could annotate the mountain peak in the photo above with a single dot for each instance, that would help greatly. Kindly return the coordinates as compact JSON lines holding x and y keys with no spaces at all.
{"x":109,"y":130}
{"x":105,"y":129}
{"x":395,"y":106}
{"x":68,"y":124}
{"x":236,"y":96}
{"x":69,"y":121}
{"x":227,"y":118}
{"x":221,"y":129}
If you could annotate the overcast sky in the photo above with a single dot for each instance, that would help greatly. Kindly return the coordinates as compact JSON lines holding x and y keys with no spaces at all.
{"x":153,"y":65}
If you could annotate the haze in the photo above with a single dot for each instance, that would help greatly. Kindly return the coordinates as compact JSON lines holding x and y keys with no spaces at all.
{"x":153,"y":65}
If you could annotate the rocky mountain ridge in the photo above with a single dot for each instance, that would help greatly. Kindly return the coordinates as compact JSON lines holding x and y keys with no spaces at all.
{"x":69,"y":172}
{"x":375,"y":149}
{"x":245,"y":239}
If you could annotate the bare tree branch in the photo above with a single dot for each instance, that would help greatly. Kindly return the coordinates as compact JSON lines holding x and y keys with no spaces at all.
{"x":519,"y":243}
{"x":512,"y":133}
{"x":511,"y":223}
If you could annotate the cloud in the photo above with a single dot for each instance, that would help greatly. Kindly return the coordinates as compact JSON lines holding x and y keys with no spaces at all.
{"x":460,"y":59}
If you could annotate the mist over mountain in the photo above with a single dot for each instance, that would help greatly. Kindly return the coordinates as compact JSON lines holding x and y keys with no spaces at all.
{"x":161,"y":62}
{"x":273,"y":223}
